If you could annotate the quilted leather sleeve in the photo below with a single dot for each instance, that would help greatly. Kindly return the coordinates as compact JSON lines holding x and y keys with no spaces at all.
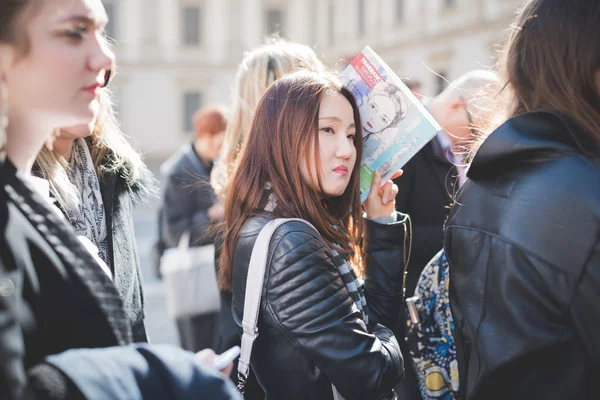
{"x":384,"y":248}
{"x":307,"y":298}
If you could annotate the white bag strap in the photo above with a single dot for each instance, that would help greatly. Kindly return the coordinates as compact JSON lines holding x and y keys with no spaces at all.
{"x":254,"y":286}
{"x":184,"y":242}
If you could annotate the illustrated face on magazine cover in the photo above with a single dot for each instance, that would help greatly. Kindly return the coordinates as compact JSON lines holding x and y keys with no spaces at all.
{"x":384,"y":108}
{"x":337,"y":151}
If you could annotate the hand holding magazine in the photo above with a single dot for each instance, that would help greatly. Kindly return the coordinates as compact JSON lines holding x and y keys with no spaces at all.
{"x":395,"y":124}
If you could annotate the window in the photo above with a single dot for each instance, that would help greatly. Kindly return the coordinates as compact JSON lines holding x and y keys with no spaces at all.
{"x":441,"y":82}
{"x":191,"y":103}
{"x":111,"y":28}
{"x":361,"y":17}
{"x":273,"y":19}
{"x":449,"y":3}
{"x":191,"y":33}
{"x":399,"y":10}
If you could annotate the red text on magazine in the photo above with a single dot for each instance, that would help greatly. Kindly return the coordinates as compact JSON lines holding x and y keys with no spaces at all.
{"x":366,"y":70}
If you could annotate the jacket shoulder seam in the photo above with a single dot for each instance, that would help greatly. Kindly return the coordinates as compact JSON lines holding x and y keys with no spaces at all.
{"x":509,"y":242}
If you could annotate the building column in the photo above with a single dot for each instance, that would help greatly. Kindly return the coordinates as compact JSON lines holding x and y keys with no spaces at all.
{"x":169,"y":28}
{"x":252,"y":22}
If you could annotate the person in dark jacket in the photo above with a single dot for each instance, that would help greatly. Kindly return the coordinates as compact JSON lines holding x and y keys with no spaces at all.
{"x":433,"y":175}
{"x":189,"y":205}
{"x":431,"y":178}
{"x":96,"y":177}
{"x":59,"y":309}
{"x":319,"y":325}
{"x":522,"y":240}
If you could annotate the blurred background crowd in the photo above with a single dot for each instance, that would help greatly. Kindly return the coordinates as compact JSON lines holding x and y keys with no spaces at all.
{"x":176,"y":57}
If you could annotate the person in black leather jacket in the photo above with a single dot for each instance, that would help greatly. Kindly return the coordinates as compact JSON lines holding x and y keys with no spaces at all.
{"x":64,"y":330}
{"x":301,"y":160}
{"x":522,"y":240}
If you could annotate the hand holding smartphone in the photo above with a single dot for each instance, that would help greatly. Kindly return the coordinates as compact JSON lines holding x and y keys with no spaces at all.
{"x":224,"y":359}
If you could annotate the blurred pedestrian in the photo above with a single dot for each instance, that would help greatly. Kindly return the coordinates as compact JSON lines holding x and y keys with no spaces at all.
{"x":431,"y":177}
{"x":189,"y":206}
{"x":59,"y":308}
{"x":95,"y":178}
{"x":257,"y":71}
{"x":318,"y":325}
{"x":522,"y":239}
{"x":468,"y":101}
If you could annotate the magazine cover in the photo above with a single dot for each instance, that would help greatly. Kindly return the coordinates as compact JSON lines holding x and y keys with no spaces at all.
{"x":395,"y":124}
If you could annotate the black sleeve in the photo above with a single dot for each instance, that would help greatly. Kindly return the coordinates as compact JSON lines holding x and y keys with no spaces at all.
{"x":48,"y":383}
{"x":13,"y":376}
{"x":42,"y":381}
{"x":585,"y":306}
{"x":384,"y":253}
{"x":311,"y":304}
{"x":142,"y":371}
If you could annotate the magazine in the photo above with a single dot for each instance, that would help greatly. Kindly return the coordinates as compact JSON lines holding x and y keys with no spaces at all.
{"x":395,"y":124}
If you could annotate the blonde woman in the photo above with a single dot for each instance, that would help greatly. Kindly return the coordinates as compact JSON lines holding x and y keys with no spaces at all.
{"x":96,"y":176}
{"x":258,"y":70}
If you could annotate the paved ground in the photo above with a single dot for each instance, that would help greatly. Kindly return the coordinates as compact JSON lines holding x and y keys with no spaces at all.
{"x":160,"y":328}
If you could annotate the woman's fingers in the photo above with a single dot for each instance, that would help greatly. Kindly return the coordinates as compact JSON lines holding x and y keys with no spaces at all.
{"x":397,"y":174}
{"x":375,"y":184}
{"x":386,"y":192}
{"x":394,"y":191}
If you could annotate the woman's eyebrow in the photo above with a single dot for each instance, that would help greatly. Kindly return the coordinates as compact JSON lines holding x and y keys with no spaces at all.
{"x":84,"y":19}
{"x":331,"y":118}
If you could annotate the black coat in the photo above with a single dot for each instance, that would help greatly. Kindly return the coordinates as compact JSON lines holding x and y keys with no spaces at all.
{"x":58,"y":293}
{"x":118,"y":198}
{"x":523,"y":245}
{"x":424,"y":191}
{"x":311,"y":334}
{"x":54,"y":297}
{"x":186,"y":200}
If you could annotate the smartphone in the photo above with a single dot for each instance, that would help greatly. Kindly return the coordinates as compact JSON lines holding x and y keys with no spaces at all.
{"x":224,"y":359}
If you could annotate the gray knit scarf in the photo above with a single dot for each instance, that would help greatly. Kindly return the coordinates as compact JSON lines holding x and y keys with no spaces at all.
{"x":88,"y":216}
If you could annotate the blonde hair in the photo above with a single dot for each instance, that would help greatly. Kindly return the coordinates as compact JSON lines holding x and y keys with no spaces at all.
{"x":110,"y":151}
{"x":257,"y":71}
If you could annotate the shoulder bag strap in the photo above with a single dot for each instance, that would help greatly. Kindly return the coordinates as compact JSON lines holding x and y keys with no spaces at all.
{"x":254,"y":286}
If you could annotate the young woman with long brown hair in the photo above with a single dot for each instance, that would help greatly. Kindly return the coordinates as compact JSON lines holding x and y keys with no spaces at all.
{"x":523,"y":241}
{"x":259,"y":68}
{"x":319,"y":325}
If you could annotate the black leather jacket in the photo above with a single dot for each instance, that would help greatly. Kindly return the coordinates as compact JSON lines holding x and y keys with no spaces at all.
{"x":310,"y":332}
{"x":524,"y":253}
